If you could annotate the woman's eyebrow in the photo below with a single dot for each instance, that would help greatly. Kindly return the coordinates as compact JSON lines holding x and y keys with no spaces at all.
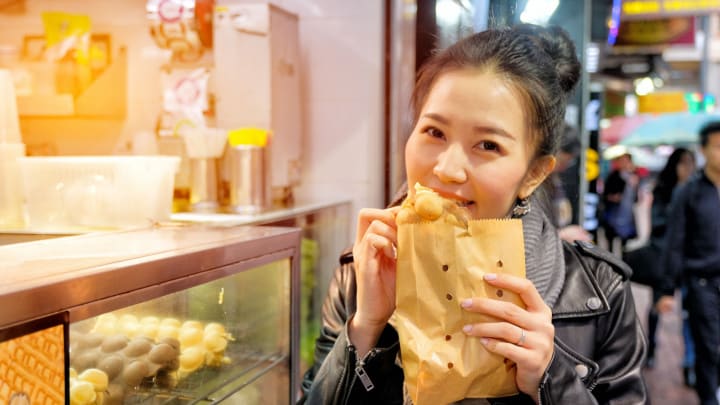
{"x":494,"y":130}
{"x":477,"y":128}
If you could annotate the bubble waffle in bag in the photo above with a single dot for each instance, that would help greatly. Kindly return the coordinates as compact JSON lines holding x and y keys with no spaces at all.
{"x":442,"y":257}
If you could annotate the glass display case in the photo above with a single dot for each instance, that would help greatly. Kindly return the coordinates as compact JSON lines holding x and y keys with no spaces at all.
{"x":326,"y":230}
{"x":178,"y":314}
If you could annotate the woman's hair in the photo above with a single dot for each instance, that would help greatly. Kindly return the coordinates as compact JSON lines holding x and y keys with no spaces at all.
{"x":667,"y":179}
{"x":539,"y":62}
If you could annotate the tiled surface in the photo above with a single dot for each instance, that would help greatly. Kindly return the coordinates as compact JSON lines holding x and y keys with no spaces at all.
{"x":331,"y":8}
{"x":343,"y":59}
{"x":343,"y":153}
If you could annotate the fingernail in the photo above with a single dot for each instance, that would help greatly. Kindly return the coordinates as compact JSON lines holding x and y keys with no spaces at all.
{"x":484,"y":341}
{"x":490,"y":276}
{"x":467,"y":328}
{"x":466,"y":303}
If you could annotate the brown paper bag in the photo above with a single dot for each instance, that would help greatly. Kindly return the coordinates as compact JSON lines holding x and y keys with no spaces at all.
{"x":440,"y":263}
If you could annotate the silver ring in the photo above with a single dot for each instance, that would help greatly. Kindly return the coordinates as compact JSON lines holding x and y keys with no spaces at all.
{"x":522,"y":338}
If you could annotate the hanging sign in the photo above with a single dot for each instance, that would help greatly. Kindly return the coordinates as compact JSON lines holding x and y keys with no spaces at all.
{"x":645,"y":9}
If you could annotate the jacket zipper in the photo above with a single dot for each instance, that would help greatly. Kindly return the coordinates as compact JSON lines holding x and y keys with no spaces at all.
{"x":541,"y":386}
{"x":360,"y":370}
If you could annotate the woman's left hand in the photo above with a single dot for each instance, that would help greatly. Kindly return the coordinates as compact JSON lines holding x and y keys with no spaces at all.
{"x":524,"y":336}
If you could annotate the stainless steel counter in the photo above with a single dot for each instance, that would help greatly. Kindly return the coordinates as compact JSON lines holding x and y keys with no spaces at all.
{"x":267,"y":217}
{"x":91,"y":274}
{"x":19,"y":235}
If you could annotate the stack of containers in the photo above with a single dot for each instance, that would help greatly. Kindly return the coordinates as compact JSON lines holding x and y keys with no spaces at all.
{"x":11,"y":148}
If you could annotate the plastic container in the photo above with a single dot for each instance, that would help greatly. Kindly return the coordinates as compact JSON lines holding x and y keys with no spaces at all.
{"x":67,"y":192}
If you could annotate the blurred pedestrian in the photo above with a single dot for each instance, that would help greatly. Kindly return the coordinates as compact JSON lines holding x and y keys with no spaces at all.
{"x":692,"y":255}
{"x":678,"y":169}
{"x":562,"y":209}
{"x":618,"y":199}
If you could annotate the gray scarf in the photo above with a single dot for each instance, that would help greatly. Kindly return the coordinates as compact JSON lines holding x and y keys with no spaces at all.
{"x":544,"y":260}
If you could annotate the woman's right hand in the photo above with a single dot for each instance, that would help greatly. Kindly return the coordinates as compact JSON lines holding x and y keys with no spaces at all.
{"x":374,"y":257}
{"x":666,"y":303}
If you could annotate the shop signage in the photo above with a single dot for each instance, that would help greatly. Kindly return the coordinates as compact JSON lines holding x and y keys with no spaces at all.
{"x":666,"y":8}
{"x":662,"y":102}
{"x":662,"y":31}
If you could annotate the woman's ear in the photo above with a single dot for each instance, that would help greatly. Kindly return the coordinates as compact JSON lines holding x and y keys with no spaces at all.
{"x":538,"y":172}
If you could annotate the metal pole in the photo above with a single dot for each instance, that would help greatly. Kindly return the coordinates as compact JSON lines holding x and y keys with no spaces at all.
{"x":704,"y":61}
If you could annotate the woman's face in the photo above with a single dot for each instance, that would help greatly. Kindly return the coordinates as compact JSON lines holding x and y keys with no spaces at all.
{"x":471,"y":144}
{"x":685,"y":167}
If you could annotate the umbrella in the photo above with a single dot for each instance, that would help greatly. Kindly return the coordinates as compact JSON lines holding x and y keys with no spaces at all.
{"x":619,"y":127}
{"x":648,"y":158}
{"x":669,"y":129}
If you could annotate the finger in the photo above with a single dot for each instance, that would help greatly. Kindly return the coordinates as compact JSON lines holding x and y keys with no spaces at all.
{"x":530,"y":360}
{"x":521,"y":286}
{"x":509,"y":312}
{"x":499,"y":331}
{"x":380,"y":228}
{"x":366,"y":216}
{"x":379,"y":243}
{"x":496,"y":309}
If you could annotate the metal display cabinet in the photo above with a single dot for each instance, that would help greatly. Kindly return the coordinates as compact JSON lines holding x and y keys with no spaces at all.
{"x":176,"y":314}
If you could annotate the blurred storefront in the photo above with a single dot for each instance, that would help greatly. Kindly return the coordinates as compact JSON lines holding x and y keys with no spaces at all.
{"x":642,"y":59}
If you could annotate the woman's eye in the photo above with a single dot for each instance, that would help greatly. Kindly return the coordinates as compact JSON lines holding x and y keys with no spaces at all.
{"x":434,"y":132}
{"x":488,"y":145}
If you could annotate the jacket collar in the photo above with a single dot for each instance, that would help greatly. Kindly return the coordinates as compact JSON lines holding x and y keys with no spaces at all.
{"x":581,"y":295}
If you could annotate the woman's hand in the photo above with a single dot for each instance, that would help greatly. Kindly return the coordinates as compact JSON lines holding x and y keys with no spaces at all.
{"x":572,"y":233}
{"x":374,"y":255}
{"x":524,"y":336}
{"x":665,"y":304}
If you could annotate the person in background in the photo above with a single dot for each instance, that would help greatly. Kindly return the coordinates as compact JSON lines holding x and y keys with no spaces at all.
{"x":488,"y":113}
{"x":692,"y":257}
{"x":679,"y":167}
{"x":562,"y":214}
{"x":618,"y":198}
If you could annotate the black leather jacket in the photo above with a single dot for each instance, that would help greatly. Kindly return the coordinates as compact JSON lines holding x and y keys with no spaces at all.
{"x":599,"y":343}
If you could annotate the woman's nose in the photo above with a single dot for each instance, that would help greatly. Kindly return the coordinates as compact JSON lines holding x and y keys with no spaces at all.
{"x":451,"y":165}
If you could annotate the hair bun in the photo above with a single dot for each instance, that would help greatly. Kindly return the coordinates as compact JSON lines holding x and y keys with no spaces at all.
{"x":557,"y":44}
{"x":561,"y":48}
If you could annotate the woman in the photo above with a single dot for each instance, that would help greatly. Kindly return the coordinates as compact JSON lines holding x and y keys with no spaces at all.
{"x":678,"y":169}
{"x":488,"y":114}
{"x":619,"y":195}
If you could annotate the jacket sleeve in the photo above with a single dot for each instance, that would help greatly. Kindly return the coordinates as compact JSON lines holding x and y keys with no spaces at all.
{"x":615,"y":373}
{"x":671,"y":263}
{"x":333,"y":379}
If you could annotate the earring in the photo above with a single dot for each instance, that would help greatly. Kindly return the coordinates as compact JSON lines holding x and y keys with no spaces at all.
{"x":521,"y":208}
